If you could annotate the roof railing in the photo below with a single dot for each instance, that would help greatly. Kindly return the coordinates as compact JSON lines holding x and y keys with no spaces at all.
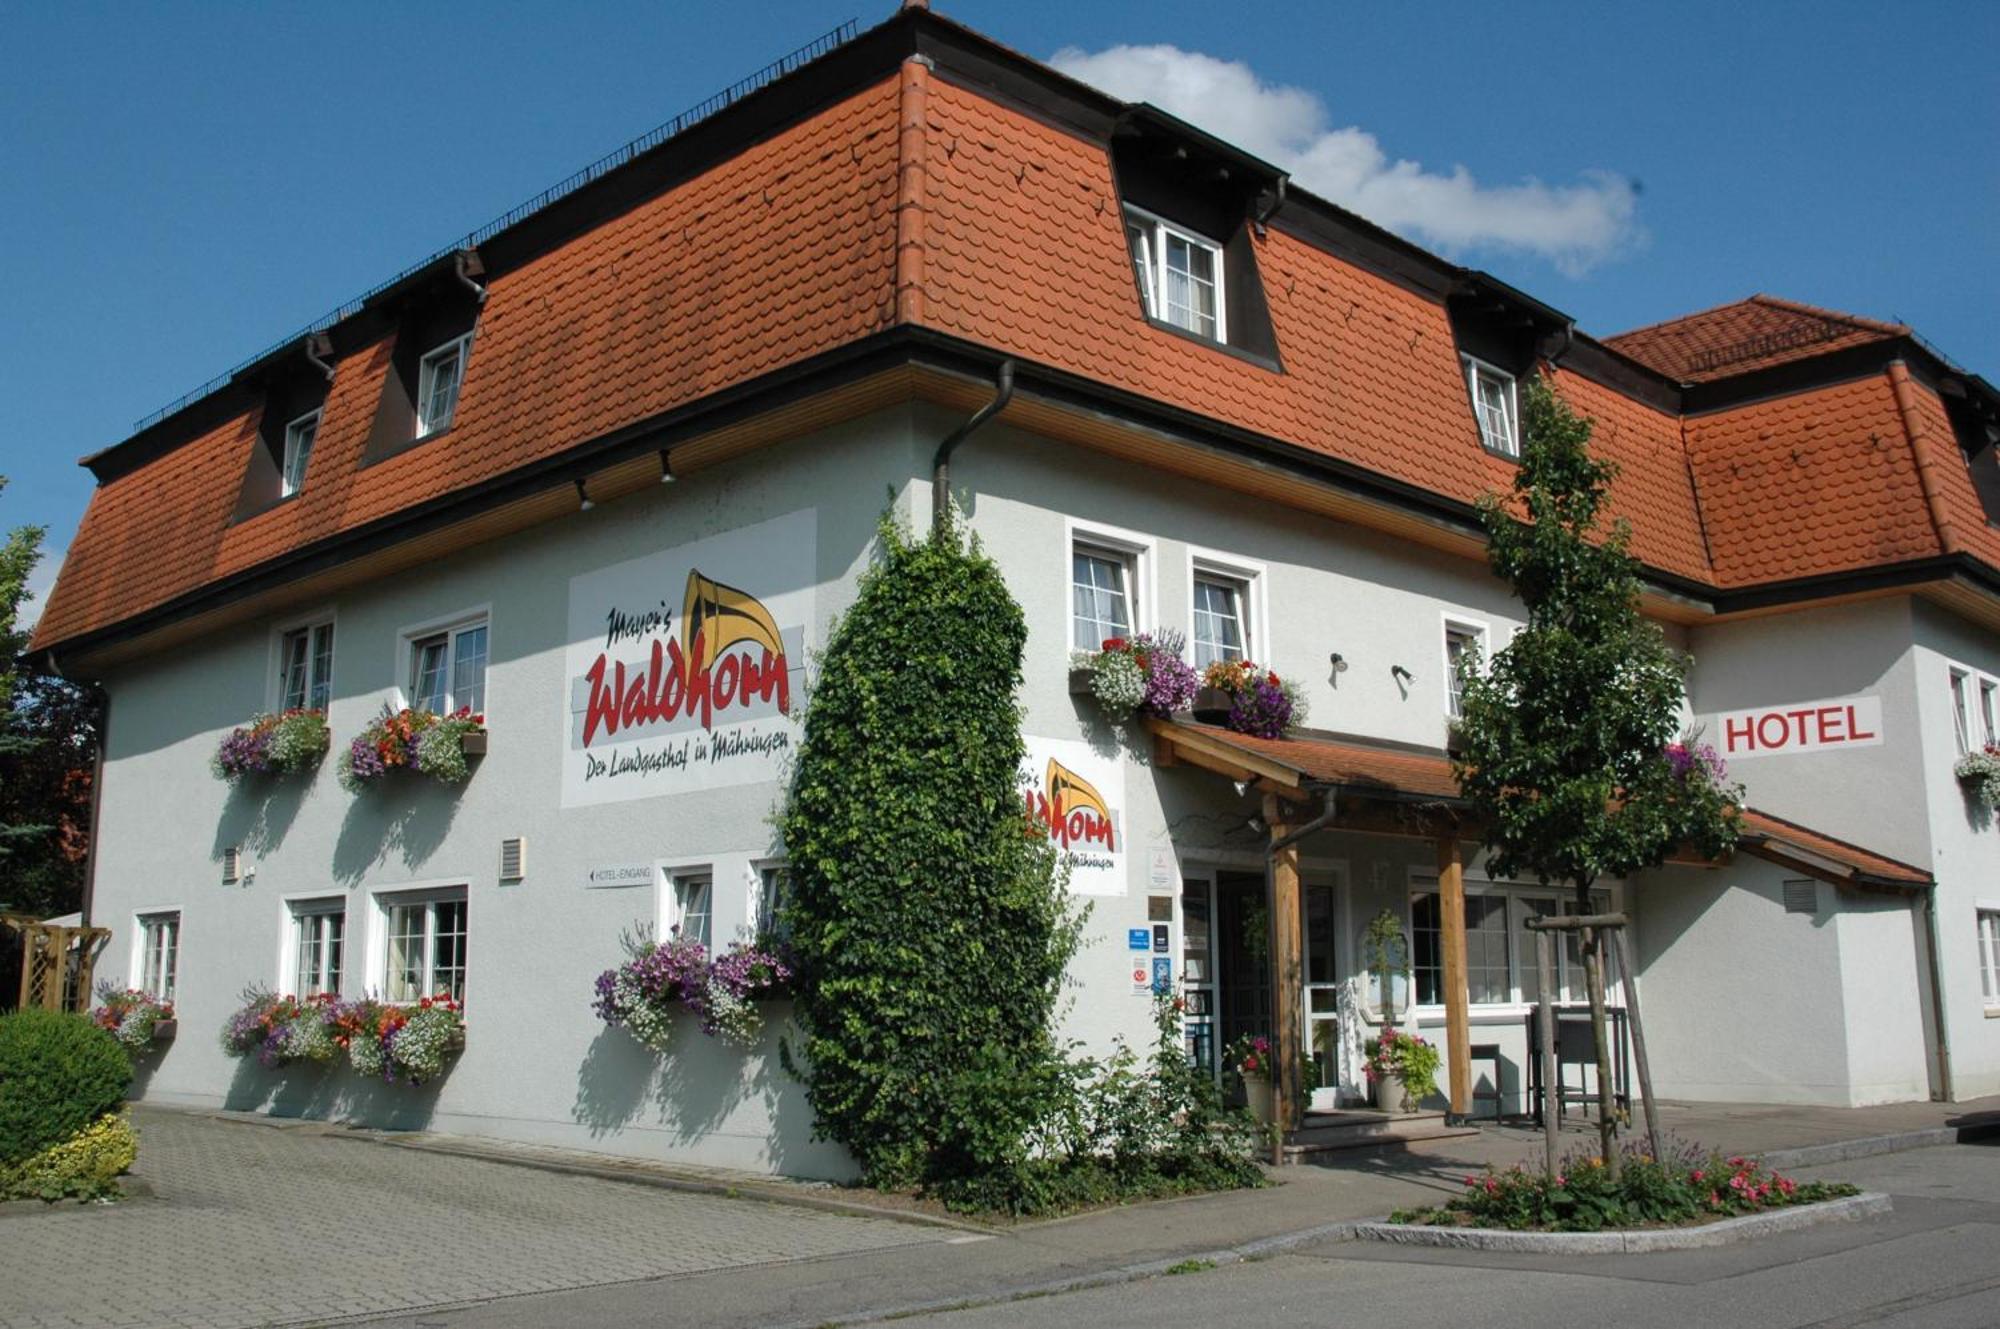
{"x":603,"y":166}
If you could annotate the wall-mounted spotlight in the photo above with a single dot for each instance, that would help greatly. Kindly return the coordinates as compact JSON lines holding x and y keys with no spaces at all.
{"x":1402,"y":674}
{"x":583,"y":502}
{"x":666,"y":468}
{"x":1338,"y":662}
{"x":1256,"y":824}
{"x":1242,"y":788}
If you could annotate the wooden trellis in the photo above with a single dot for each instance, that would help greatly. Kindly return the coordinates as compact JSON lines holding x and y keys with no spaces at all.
{"x":56,"y":961}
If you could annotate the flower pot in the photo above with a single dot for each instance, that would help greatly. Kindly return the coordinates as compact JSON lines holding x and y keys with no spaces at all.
{"x":473,"y":744}
{"x":1079,"y":682}
{"x":1392,"y":1095}
{"x":165,"y":1029}
{"x":1211,"y":705}
{"x":1259,"y":1098}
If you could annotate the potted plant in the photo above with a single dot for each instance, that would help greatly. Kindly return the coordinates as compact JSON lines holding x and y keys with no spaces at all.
{"x":289,"y":743}
{"x":1386,"y":952}
{"x":136,"y":1019}
{"x":1979,"y":773}
{"x":722,"y":991}
{"x":422,"y":741}
{"x":1144,"y":674}
{"x":1249,"y":699}
{"x":1250,"y":1057}
{"x":1401,"y":1068}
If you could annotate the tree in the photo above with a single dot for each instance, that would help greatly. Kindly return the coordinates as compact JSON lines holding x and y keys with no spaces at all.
{"x":48,"y":742}
{"x":932,"y":929}
{"x":1566,"y":742}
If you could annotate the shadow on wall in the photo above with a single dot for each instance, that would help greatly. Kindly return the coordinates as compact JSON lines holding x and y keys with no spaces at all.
{"x":332,"y":1092}
{"x":700,"y":1087}
{"x":258,"y":813}
{"x":408,"y":817}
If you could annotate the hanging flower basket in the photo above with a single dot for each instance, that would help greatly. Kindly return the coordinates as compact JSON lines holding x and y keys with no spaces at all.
{"x":722,"y":991}
{"x":289,"y":743}
{"x":421,"y":741}
{"x":1249,"y":699}
{"x":1144,"y":674}
{"x":1979,"y":773}
{"x":136,"y":1019}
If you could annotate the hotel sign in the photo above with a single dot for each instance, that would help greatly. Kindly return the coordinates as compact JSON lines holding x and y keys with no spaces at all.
{"x":1811,"y":726}
{"x":685,"y":669}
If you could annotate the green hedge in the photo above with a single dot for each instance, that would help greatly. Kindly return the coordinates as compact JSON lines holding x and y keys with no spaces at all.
{"x":59,"y":1074}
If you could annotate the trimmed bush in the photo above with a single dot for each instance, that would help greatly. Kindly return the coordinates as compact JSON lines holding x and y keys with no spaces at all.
{"x":84,"y":1167}
{"x":58,"y":1074}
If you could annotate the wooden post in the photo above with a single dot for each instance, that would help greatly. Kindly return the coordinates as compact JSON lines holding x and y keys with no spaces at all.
{"x":1593,"y":969}
{"x":1457,"y":999}
{"x":1287,"y":989}
{"x":1545,"y":1022}
{"x":1638,"y":1040}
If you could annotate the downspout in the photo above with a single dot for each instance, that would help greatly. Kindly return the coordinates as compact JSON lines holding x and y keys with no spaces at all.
{"x":1003,"y":392}
{"x":318,"y":346}
{"x":1943,"y":1094}
{"x":1281,"y":1083}
{"x":466,"y":265}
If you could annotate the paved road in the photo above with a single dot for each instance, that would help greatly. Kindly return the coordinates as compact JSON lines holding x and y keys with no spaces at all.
{"x":1934,"y":1264}
{"x":261,"y":1225}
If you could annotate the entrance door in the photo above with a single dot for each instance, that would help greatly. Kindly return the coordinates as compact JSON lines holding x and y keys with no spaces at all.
{"x":1243,"y":947}
{"x":1322,"y":996}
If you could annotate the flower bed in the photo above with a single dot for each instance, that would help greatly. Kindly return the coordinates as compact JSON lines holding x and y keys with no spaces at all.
{"x":380,"y":1040}
{"x":422,"y":741}
{"x":1143,"y":674}
{"x":640,"y":995}
{"x":1249,"y":699}
{"x":1687,"y":1189}
{"x":136,"y":1019}
{"x":289,"y":743}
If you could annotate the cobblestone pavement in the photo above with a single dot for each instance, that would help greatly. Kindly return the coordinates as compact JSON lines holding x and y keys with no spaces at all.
{"x":258,"y":1225}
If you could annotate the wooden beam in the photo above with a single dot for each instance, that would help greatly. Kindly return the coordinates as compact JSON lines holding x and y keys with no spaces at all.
{"x":1287,"y":969}
{"x":1190,"y":742}
{"x":1457,"y":996}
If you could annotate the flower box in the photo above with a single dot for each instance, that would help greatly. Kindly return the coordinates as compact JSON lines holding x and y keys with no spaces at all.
{"x":164,"y":1030}
{"x":473,"y":744}
{"x":412,"y":740}
{"x":1079,"y":682}
{"x":1211,"y":705}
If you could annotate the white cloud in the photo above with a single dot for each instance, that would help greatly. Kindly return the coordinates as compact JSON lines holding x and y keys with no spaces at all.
{"x":1575,"y":226}
{"x":36,"y":592}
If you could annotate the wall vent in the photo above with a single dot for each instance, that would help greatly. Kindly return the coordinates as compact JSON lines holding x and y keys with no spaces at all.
{"x":513,"y":858}
{"x":232,"y":865}
{"x":1801,"y":897}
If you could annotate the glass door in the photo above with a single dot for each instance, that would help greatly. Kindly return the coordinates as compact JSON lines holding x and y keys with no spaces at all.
{"x":1243,"y":957}
{"x":1321,"y":1006}
{"x":1198,"y":971}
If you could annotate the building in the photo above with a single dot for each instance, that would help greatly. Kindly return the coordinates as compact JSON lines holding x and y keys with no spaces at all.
{"x":1228,"y":407}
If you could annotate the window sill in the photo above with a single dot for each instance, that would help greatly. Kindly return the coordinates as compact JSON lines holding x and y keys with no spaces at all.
{"x":1993,"y":1012}
{"x":251,"y":514}
{"x":1236,"y":352}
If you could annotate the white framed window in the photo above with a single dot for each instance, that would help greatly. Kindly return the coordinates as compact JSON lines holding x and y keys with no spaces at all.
{"x":305,"y":667}
{"x":1499,"y":946}
{"x":318,"y":946}
{"x":1496,"y":405}
{"x":1988,"y":711}
{"x":1989,"y":957}
{"x":774,"y":897}
{"x":299,"y":436}
{"x":1961,"y":721}
{"x":1179,"y":275}
{"x":424,"y":941}
{"x":159,"y":959}
{"x":446,"y":670}
{"x":1221,"y":619}
{"x":691,"y":904}
{"x":1463,"y":639}
{"x":1101,"y":584}
{"x":438,"y":377}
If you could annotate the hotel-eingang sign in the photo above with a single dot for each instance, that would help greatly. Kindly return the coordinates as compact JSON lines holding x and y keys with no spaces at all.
{"x":686,"y":668}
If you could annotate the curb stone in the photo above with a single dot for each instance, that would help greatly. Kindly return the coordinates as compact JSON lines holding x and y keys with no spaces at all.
{"x":1871,"y":1146}
{"x":1750,"y":1227}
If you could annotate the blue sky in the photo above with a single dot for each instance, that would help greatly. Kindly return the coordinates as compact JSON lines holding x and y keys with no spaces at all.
{"x":185,"y":184}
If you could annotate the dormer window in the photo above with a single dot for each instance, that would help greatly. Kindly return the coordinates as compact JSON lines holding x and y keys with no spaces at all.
{"x":1496,"y":406}
{"x":1179,"y":275}
{"x":299,"y":435}
{"x":438,"y":377}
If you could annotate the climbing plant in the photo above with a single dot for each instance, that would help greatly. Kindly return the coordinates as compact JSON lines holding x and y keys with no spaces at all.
{"x":932,"y":929}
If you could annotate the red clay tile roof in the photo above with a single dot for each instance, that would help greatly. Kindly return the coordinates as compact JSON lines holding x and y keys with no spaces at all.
{"x":1369,"y":768}
{"x":921,"y":202}
{"x":785,"y":250}
{"x":1749,"y":334}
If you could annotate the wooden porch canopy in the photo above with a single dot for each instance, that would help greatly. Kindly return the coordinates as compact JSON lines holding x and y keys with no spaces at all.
{"x":1411,"y":791}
